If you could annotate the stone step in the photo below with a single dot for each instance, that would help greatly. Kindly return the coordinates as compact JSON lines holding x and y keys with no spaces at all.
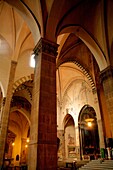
{"x":96,"y":168}
{"x":98,"y":165}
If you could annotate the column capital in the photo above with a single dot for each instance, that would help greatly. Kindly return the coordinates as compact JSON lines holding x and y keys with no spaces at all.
{"x":106,"y":73}
{"x":46,"y":46}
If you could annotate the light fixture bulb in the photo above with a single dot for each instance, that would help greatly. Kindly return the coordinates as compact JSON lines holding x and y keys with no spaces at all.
{"x":89,"y":124}
{"x":28,"y":140}
{"x":13,"y":144}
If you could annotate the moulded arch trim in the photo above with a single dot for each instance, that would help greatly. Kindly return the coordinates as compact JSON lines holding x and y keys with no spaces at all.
{"x":90,"y":43}
{"x":21,"y":81}
{"x":23,"y":112}
{"x":28,"y":16}
{"x":3,"y":92}
{"x":83,"y":109}
{"x":66,"y":118}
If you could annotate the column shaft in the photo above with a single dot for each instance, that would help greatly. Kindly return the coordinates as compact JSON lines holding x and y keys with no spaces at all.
{"x":43,"y":132}
{"x":99,"y":122}
{"x":107,"y":80}
{"x":101,"y":135}
{"x":5,"y":112}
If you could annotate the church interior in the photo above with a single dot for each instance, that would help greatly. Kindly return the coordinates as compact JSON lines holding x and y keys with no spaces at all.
{"x":56,"y":81}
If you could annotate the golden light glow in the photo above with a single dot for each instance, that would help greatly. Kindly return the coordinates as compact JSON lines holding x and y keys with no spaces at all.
{"x":13,"y":144}
{"x":26,"y":146}
{"x":89,"y":120}
{"x":89,"y":124}
{"x":27,"y":140}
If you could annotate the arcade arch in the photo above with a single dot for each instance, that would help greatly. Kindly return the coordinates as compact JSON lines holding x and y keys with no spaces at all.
{"x":69,"y":137}
{"x":89,"y":42}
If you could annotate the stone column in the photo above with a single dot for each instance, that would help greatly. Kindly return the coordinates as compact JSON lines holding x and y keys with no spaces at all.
{"x":61,"y":150}
{"x":107,"y":80}
{"x":99,"y":121}
{"x":2,"y":105}
{"x":77,"y":141}
{"x":101,"y":134}
{"x":5,"y":112}
{"x":24,"y":151}
{"x":1,"y":110}
{"x":109,"y":152}
{"x":43,"y":131}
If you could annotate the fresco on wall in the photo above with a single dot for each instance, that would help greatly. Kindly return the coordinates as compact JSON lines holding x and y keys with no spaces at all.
{"x":74,"y":97}
{"x":71,"y":147}
{"x":70,"y":140}
{"x":71,"y":152}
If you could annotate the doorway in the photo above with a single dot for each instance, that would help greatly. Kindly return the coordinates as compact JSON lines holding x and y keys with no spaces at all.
{"x":88,"y":134}
{"x":69,"y":135}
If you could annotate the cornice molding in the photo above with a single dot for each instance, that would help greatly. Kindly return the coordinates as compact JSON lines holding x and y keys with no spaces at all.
{"x":106,"y":73}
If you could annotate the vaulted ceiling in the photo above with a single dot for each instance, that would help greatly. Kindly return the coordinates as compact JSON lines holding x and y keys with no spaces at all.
{"x":76,"y":25}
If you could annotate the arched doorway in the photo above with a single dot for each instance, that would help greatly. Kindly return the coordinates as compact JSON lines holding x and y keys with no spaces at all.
{"x":69,"y":137}
{"x":88,"y":132}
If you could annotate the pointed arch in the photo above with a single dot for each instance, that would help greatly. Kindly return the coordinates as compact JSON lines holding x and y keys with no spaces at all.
{"x":86,"y":109}
{"x":66,"y":119}
{"x":90,"y":43}
{"x":23,"y":112}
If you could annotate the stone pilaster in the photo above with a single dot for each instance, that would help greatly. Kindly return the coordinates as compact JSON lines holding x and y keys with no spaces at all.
{"x":61,"y":150}
{"x":101,"y":134}
{"x":77,"y":139}
{"x":99,"y":122}
{"x":23,"y":157}
{"x":43,"y":132}
{"x":5,"y":112}
{"x":107,"y":80}
{"x":1,"y":108}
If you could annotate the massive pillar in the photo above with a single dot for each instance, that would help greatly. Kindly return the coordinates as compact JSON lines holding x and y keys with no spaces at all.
{"x":107,"y":80}
{"x":5,"y":112}
{"x":43,"y":130}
